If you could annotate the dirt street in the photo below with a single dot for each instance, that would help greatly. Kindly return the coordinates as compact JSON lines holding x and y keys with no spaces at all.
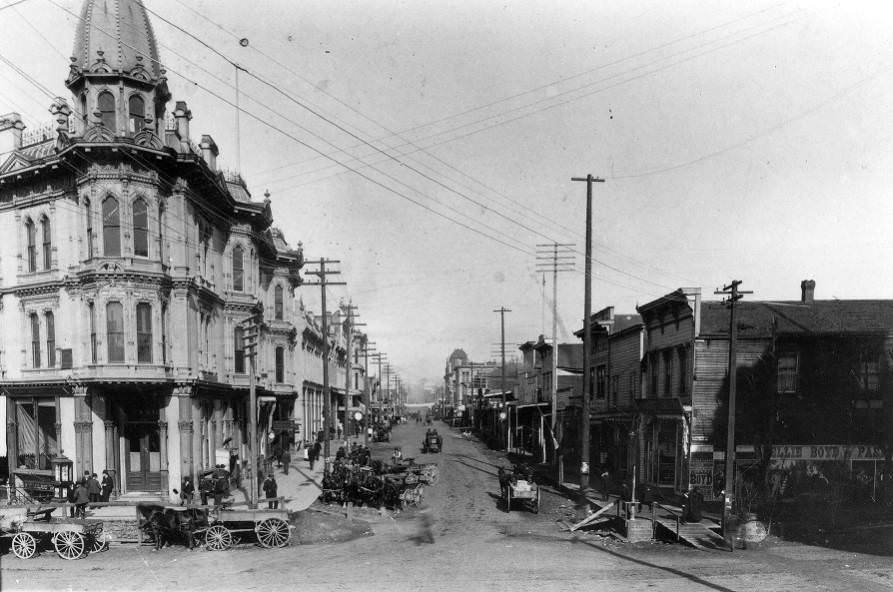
{"x":460,"y":540}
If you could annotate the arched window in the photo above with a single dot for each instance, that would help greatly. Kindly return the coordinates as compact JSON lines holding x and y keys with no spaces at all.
{"x":140,"y":229}
{"x":31,"y":237}
{"x":238,"y":274}
{"x":144,"y":333}
{"x":106,"y":104}
{"x":277,"y":302}
{"x":111,"y":228}
{"x":280,"y":364}
{"x":51,"y":340}
{"x":35,"y":340}
{"x":239,"y":350}
{"x":47,"y":243}
{"x":136,"y":110}
{"x":89,"y":215}
{"x":114,"y":323}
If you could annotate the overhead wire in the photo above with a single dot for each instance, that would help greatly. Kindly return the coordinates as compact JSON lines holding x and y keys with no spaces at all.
{"x":251,"y":114}
{"x":397,"y":134}
{"x":298,"y":140}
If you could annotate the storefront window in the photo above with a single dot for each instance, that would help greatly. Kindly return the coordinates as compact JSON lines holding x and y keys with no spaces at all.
{"x":35,"y":432}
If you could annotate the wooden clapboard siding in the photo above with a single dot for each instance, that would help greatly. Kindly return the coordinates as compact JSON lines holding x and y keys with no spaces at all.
{"x":711,"y":371}
{"x":625,"y":362}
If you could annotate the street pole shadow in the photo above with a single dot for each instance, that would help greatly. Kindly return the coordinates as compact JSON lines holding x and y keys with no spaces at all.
{"x":677,"y":572}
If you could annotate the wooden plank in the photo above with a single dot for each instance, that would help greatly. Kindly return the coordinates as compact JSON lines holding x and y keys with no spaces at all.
{"x":592,"y":517}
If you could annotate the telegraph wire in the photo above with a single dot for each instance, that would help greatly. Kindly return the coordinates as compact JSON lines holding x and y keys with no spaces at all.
{"x":290,"y":135}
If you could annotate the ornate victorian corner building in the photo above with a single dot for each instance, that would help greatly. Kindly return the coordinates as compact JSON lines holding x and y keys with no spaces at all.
{"x":128,"y":262}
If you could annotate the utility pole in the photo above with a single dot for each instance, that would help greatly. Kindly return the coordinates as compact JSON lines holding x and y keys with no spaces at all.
{"x":250,"y":343}
{"x":348,"y":372}
{"x":322,"y":273}
{"x":502,"y":310}
{"x":733,"y":294}
{"x":560,"y":259}
{"x":587,"y":335}
{"x":367,"y":395}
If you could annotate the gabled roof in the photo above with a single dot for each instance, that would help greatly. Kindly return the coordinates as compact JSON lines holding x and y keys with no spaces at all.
{"x":820,"y":317}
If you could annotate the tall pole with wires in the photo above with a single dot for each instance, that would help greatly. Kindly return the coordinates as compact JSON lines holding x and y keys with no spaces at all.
{"x":587,"y":336}
{"x":323,"y":274}
{"x":554,"y":258}
{"x":733,"y":295}
{"x":504,"y":433}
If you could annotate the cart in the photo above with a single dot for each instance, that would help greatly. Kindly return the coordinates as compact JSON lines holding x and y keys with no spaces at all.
{"x":523,"y":492}
{"x":270,"y":528}
{"x":38,"y":530}
{"x":432,"y":443}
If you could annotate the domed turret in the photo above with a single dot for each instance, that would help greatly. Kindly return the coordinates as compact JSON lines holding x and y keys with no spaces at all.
{"x":115,"y":75}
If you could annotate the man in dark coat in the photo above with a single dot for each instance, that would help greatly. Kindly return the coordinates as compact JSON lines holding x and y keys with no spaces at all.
{"x":93,"y":488}
{"x":270,"y":489}
{"x":81,"y":499}
{"x":107,"y":485}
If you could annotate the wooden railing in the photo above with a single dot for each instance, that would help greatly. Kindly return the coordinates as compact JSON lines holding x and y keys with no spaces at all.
{"x":672,"y":511}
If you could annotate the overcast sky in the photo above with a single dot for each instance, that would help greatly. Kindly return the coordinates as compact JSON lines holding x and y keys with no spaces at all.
{"x":738,"y":140}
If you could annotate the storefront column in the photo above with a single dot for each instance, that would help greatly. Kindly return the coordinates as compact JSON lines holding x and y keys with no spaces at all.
{"x":99,"y":413}
{"x":162,"y":455}
{"x":111,"y":462}
{"x":186,"y":430}
{"x":83,"y":433}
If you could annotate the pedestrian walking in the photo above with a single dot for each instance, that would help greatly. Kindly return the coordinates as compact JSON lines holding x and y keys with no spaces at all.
{"x":107,"y":485}
{"x":270,"y":489}
{"x":72,"y":496}
{"x":286,"y":460}
{"x":315,"y":451}
{"x":94,"y":489}
{"x":81,"y":499}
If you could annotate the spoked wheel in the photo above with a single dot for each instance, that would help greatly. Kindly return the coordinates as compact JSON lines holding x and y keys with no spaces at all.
{"x":99,"y":544}
{"x":218,"y":538}
{"x":24,"y":546}
{"x":273,"y":532}
{"x":70,"y":544}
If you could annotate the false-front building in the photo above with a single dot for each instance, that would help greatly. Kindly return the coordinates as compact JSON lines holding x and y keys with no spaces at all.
{"x":127,"y":265}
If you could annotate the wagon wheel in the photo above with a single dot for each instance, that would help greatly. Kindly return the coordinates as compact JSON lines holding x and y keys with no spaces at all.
{"x":70,"y":544}
{"x":99,"y":544}
{"x":273,"y":532}
{"x":24,"y":546}
{"x":218,"y":538}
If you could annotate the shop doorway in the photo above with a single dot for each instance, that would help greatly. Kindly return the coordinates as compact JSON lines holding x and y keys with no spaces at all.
{"x":142,"y":443}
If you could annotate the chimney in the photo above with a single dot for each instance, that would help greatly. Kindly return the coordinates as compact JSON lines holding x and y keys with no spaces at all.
{"x":807,"y":291}
{"x":210,"y":152}
{"x":182,"y":114}
{"x":11,"y":127}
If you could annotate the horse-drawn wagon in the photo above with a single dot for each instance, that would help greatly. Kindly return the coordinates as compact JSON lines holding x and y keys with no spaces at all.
{"x":433,"y":442}
{"x":218,"y":528}
{"x":517,"y":487}
{"x":32,"y":531}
